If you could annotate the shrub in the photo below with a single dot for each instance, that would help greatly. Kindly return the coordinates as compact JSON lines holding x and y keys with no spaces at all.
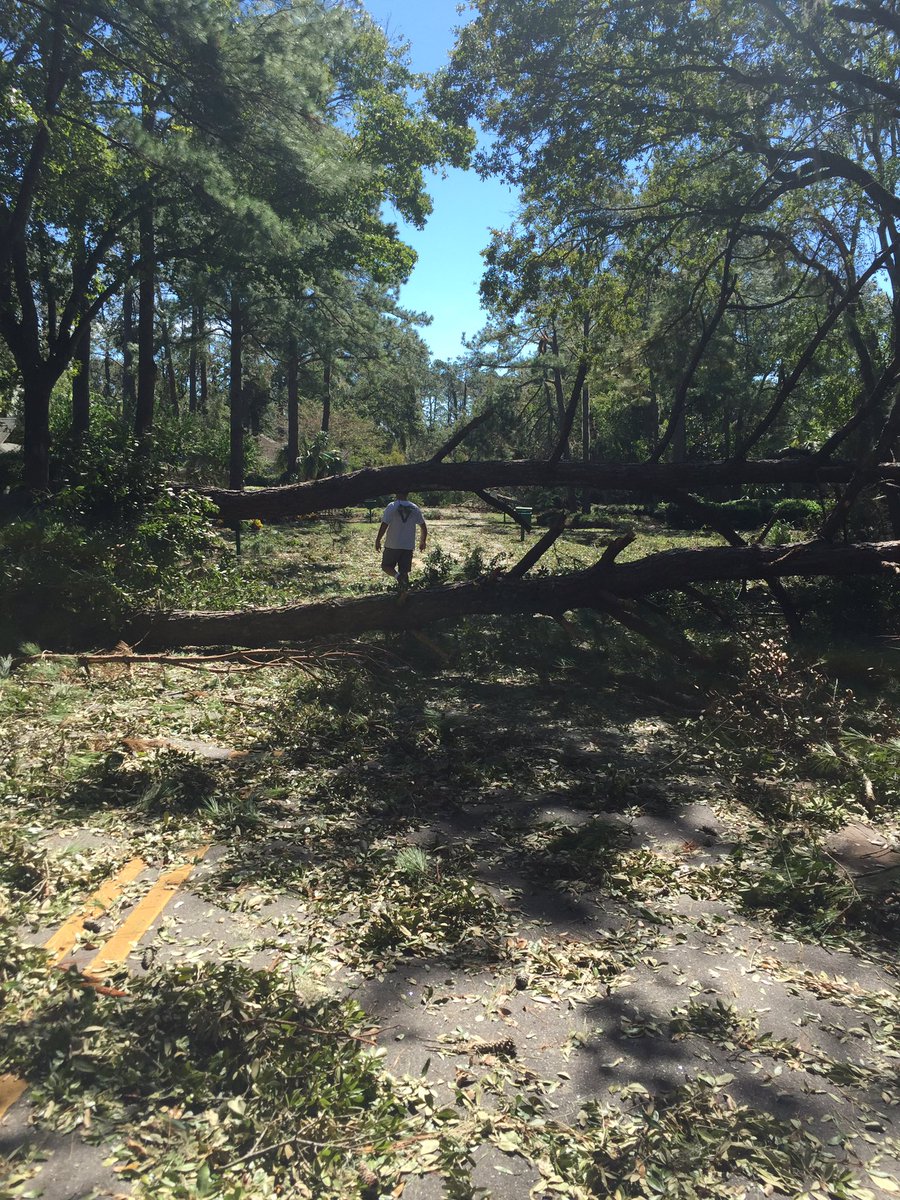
{"x":10,"y":469}
{"x":60,"y":574}
{"x":437,"y":567}
{"x":475,"y":565}
{"x":803,"y":514}
{"x":744,"y":514}
{"x":315,"y":460}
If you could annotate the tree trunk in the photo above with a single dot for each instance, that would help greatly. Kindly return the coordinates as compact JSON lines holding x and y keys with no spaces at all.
{"x":81,"y":382}
{"x":146,"y":380}
{"x":192,"y":363}
{"x":679,"y":439}
{"x":586,"y":423}
{"x":293,"y":408}
{"x":36,"y":421}
{"x":236,"y":396}
{"x":601,"y":587}
{"x":171,"y":381}
{"x":326,"y":399}
{"x":204,"y":382}
{"x":338,"y":491}
{"x":892,"y":495}
{"x":129,"y":403}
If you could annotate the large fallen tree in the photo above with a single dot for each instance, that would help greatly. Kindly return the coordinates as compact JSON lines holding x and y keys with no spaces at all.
{"x":339,"y":491}
{"x":608,"y":586}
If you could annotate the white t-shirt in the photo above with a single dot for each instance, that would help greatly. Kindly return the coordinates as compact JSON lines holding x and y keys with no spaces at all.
{"x":401,"y":518}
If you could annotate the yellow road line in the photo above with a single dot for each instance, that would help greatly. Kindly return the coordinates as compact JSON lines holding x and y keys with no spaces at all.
{"x":11,"y":1089}
{"x":142,"y":916}
{"x":62,"y":942}
{"x":122,"y":941}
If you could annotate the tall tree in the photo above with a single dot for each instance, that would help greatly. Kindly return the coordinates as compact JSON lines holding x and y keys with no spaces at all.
{"x":768,"y":120}
{"x":264,"y":117}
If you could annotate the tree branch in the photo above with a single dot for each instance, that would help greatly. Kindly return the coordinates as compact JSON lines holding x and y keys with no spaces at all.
{"x":807,"y":356}
{"x":501,"y":505}
{"x":537,"y":551}
{"x":552,"y":595}
{"x":461,"y":434}
{"x":729,"y":283}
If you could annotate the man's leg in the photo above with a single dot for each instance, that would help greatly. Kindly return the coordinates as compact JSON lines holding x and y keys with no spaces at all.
{"x":389,"y":563}
{"x":404,"y":566}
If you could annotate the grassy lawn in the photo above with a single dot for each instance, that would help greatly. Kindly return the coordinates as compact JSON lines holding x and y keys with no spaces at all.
{"x":316,"y":558}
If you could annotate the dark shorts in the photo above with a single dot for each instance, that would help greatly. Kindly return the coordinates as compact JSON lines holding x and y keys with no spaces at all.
{"x":401,"y":559}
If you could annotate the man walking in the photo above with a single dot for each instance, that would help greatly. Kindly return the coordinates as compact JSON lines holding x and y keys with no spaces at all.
{"x":399,"y":521}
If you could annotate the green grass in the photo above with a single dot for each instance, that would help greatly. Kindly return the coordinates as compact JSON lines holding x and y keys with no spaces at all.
{"x":312,"y":559}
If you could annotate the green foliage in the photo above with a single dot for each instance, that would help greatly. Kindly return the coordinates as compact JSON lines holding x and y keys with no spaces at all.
{"x":418,"y":916}
{"x":23,"y":867}
{"x":797,"y":885}
{"x":803,"y":514}
{"x":412,"y":862}
{"x":317,"y":458}
{"x":110,"y":537}
{"x":198,"y":449}
{"x":783,"y":704}
{"x":592,"y":850}
{"x":59,"y":577}
{"x":437,"y":568}
{"x":685,"y":1145}
{"x":646,"y":231}
{"x":440,"y":567}
{"x":476,"y":563}
{"x":245,"y":1062}
{"x":744,"y":514}
{"x":879,"y":757}
{"x":10,"y":470}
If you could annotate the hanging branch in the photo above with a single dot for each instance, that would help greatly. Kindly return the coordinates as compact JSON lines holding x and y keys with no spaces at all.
{"x":501,"y":504}
{"x":806,"y":358}
{"x":888,"y":379}
{"x":537,"y":551}
{"x":677,"y":645}
{"x":710,"y":517}
{"x":726,"y":291}
{"x":889,"y":434}
{"x":461,"y":434}
{"x":571,"y":410}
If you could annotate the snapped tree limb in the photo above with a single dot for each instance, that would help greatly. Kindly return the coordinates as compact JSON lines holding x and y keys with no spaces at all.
{"x":339,"y":491}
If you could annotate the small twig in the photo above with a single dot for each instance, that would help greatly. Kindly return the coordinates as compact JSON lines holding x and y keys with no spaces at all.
{"x":239,"y":662}
{"x":693,"y":745}
{"x":294,"y":1139}
{"x":431,"y":645}
{"x":678,"y":646}
{"x":333,"y":1033}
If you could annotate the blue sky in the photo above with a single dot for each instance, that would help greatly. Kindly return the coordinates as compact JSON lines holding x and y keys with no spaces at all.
{"x":445,"y":280}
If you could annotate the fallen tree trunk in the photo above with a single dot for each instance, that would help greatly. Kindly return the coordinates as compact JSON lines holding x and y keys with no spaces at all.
{"x":552,"y":595}
{"x":338,"y":491}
